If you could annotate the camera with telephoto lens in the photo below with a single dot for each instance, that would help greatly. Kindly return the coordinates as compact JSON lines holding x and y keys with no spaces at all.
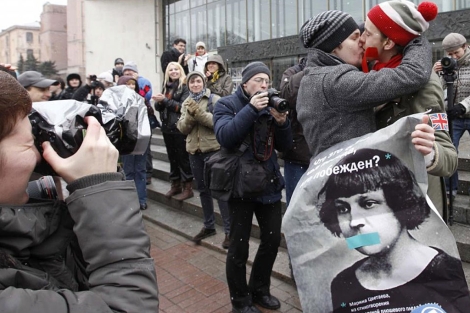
{"x":449,"y":65}
{"x":281,"y":105}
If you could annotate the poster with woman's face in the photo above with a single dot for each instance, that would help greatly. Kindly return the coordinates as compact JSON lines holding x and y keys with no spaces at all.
{"x":363,"y":236}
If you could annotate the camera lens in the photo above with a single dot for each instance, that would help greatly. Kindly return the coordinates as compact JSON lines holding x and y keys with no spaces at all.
{"x":448,"y":64}
{"x":281,"y":105}
{"x":43,"y":188}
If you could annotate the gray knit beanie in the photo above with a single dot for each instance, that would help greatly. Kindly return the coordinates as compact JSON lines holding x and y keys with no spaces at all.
{"x":130,"y":66}
{"x":196,"y":73}
{"x":327,"y":30}
{"x":453,"y":41}
{"x":254,"y":68}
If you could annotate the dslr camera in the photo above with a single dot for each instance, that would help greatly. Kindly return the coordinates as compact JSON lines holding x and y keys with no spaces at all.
{"x":449,"y":65}
{"x":281,"y":105}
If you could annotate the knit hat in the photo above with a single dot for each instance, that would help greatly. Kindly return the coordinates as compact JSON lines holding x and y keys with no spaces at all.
{"x":453,"y":41}
{"x":327,"y":30}
{"x":118,"y":60}
{"x":196,"y":73}
{"x":254,"y":68}
{"x":130,"y":66}
{"x":402,"y":20}
{"x":124,"y":79}
{"x":200,"y":44}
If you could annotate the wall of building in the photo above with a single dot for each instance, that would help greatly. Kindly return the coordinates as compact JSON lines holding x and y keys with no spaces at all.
{"x":54,"y":35}
{"x":13,"y":43}
{"x":127,"y":30}
{"x":75,"y":40}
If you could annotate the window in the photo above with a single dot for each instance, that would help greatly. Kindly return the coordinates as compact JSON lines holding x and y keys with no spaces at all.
{"x":30,"y":53}
{"x":29,"y":37}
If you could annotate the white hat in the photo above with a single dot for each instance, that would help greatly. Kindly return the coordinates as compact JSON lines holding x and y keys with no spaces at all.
{"x":200,"y":44}
{"x":106,"y":76}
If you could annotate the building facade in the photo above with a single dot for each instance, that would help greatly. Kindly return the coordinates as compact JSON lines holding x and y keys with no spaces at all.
{"x":19,"y":40}
{"x":246,"y":30}
{"x":53,"y":35}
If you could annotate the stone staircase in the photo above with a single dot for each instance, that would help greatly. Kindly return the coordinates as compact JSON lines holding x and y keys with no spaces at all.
{"x":186,"y":218}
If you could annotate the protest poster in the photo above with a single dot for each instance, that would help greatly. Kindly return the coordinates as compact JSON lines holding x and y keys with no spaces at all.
{"x":363,"y":236}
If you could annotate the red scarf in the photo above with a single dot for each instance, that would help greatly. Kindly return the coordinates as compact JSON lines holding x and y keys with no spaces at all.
{"x":371,"y":54}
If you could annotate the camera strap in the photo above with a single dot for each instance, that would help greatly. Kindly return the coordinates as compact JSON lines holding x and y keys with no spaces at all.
{"x":263,"y":137}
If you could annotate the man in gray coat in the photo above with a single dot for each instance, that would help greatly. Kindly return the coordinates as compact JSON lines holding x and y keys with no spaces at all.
{"x":336,"y":100}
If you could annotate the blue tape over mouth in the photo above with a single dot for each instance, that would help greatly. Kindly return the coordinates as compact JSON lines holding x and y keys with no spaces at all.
{"x":362,"y":240}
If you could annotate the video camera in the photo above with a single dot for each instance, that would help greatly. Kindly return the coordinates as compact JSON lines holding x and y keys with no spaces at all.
{"x":281,"y":105}
{"x":449,"y":65}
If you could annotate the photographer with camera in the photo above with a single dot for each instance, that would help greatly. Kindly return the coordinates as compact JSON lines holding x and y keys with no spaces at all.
{"x":68,"y":256}
{"x":249,"y":118}
{"x":456,"y":47}
{"x":90,"y":92}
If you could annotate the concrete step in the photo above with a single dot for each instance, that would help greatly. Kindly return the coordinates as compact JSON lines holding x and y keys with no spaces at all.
{"x":188,"y":225}
{"x":192,"y":206}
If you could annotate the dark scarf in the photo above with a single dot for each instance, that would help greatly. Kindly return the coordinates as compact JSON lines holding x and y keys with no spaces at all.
{"x":170,"y":89}
{"x":197,"y":96}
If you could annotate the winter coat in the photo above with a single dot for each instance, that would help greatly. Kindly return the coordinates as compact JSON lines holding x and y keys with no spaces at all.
{"x":234,"y":118}
{"x":197,"y":63}
{"x":170,"y":109}
{"x":336,"y":100}
{"x":462,"y":83}
{"x":171,"y":55}
{"x":223,"y":86}
{"x":289,"y":88}
{"x":68,"y":92}
{"x":430,"y":97}
{"x":199,"y":127}
{"x":95,"y":260}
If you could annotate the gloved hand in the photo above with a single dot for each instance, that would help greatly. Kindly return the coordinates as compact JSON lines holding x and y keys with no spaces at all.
{"x":456,"y":111}
{"x":192,"y":107}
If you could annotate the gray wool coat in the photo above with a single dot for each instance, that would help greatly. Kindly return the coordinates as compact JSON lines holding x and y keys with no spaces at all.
{"x":336,"y":100}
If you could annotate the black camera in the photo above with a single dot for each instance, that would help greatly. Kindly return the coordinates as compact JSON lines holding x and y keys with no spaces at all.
{"x":449,"y":65}
{"x":281,"y":105}
{"x":93,"y":78}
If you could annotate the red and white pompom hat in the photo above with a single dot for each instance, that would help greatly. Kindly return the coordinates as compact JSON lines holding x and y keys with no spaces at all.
{"x":402,"y":20}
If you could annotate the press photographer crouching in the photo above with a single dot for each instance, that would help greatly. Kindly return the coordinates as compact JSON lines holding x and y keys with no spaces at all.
{"x":64,"y":256}
{"x":455,"y":68}
{"x":245,"y":121}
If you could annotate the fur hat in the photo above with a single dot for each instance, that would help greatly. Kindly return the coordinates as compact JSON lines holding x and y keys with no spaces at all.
{"x":402,"y":20}
{"x":453,"y":41}
{"x":327,"y":30}
{"x":254,"y":68}
{"x":73,"y":76}
{"x":130,"y":66}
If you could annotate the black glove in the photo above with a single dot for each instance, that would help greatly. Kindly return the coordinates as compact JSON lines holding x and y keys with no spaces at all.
{"x":456,"y":111}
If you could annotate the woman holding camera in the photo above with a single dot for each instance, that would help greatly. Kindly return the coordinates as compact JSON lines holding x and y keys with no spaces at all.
{"x":196,"y":122}
{"x":89,"y":253}
{"x":169,"y":103}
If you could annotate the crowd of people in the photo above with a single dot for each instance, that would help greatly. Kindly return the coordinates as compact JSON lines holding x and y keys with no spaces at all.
{"x":201,"y":114}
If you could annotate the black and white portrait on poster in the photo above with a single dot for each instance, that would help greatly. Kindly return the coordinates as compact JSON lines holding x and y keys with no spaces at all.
{"x":363,"y":236}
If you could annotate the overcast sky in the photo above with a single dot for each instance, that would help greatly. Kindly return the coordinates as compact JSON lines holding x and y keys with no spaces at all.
{"x":19,"y":12}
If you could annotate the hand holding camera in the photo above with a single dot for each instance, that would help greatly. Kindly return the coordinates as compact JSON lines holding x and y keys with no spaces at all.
{"x":456,"y":111}
{"x":96,"y":155}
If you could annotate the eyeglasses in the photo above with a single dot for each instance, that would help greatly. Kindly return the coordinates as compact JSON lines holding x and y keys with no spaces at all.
{"x":260,"y":80}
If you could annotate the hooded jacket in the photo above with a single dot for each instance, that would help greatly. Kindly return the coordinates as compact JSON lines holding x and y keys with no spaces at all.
{"x":90,"y":254}
{"x":336,"y":100}
{"x":234,"y":119}
{"x":223,"y":86}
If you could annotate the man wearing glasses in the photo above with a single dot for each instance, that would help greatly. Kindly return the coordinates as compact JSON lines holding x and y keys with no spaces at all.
{"x":246,"y":119}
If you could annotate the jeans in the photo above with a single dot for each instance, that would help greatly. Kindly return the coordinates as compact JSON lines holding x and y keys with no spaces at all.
{"x":459,"y":126}
{"x":197,"y":167}
{"x":179,"y":158}
{"x":148,"y":161}
{"x":292,"y":174}
{"x":269,"y":220}
{"x":134,"y":167}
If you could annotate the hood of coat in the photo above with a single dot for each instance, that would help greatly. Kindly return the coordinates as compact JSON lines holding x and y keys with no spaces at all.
{"x":217,"y":58}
